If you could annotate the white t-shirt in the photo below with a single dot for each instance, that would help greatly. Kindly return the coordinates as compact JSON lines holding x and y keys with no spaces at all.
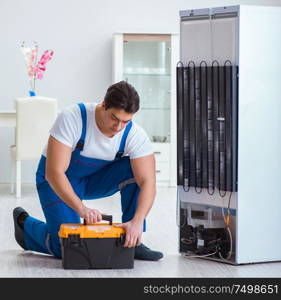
{"x":67,"y":129}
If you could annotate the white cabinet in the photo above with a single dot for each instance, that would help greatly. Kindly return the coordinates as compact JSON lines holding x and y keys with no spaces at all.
{"x":162,"y":157}
{"x":148,"y":62}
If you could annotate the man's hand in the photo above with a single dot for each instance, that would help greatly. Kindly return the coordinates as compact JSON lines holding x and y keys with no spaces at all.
{"x":90,"y":215}
{"x":134,"y":231}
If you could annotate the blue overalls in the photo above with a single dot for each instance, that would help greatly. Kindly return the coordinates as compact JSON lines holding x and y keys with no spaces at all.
{"x":90,"y":179}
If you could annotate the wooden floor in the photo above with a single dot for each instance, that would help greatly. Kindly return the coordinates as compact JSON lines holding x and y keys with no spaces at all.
{"x":162,"y":234}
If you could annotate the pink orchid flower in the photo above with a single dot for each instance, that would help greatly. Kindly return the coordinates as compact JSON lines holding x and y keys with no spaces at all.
{"x":41,"y":66}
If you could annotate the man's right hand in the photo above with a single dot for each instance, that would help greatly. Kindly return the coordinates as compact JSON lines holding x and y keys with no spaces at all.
{"x":90,"y":215}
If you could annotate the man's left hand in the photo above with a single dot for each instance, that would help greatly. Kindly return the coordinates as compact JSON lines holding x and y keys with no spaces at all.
{"x":134,"y":231}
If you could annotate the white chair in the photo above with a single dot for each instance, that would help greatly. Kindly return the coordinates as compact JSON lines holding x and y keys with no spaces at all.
{"x":34,"y":118}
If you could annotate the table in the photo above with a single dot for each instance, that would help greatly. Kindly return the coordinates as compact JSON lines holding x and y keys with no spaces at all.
{"x":8,"y":118}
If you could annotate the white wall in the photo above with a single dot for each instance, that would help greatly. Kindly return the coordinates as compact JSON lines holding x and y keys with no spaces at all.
{"x":80,"y":33}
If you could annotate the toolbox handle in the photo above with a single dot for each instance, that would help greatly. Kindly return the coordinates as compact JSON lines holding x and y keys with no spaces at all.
{"x":104,"y":217}
{"x":107,"y":218}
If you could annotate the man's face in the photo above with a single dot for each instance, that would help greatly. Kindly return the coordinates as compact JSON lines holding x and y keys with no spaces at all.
{"x":115,"y":120}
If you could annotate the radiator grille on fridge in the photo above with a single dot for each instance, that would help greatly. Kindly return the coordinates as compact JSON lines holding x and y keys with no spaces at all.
{"x":207,"y":126}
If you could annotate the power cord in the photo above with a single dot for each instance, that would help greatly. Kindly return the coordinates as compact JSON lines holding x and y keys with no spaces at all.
{"x":227,"y":223}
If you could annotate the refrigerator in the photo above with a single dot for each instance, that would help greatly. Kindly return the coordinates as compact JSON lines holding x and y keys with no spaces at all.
{"x":229,"y":134}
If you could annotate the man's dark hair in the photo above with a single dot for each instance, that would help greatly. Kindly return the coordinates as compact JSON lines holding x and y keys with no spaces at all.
{"x":122,"y":95}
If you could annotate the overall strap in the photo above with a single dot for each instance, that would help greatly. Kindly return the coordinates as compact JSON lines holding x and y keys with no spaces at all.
{"x":120,"y":152}
{"x":80,"y":143}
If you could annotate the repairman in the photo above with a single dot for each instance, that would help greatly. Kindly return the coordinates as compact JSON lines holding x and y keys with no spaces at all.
{"x":94,"y":150}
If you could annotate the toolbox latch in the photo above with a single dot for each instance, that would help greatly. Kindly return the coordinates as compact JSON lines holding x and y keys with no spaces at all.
{"x":121,"y":240}
{"x":74,"y":239}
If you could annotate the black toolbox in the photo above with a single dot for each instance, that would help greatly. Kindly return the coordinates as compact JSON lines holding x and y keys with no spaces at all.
{"x":97,"y":246}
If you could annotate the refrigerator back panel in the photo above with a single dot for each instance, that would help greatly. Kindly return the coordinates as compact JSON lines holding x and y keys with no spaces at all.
{"x":207,"y":126}
{"x":207,"y":99}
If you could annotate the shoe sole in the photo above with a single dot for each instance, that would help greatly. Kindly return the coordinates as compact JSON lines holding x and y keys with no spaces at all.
{"x":19,"y":232}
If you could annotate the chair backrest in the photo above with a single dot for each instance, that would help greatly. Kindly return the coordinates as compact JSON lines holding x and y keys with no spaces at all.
{"x":35,"y":116}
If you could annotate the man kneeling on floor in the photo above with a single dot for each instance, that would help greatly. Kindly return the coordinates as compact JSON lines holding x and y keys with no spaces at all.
{"x":94,"y":150}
